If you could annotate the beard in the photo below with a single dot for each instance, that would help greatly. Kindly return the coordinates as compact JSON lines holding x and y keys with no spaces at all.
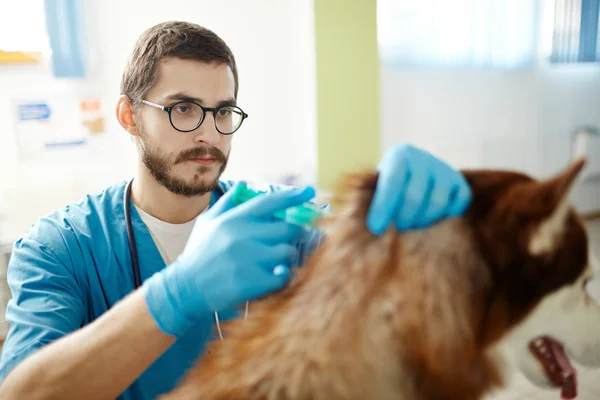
{"x":160,"y":165}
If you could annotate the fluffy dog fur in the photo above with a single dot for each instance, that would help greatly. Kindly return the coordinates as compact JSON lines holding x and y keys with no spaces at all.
{"x":440,"y":313}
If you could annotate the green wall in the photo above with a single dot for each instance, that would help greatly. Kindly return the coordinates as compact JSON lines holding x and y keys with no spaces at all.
{"x":347,"y":73}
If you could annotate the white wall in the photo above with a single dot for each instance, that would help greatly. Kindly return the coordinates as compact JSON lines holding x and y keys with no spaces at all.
{"x":497,"y":119}
{"x":273,"y":44}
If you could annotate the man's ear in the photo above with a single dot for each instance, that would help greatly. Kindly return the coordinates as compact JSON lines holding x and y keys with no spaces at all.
{"x":125,"y":115}
{"x":552,"y":198}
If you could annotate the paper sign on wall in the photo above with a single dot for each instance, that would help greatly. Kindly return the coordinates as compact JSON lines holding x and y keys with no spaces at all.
{"x":56,"y":123}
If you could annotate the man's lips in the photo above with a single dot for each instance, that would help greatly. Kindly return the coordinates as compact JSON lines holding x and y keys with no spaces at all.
{"x":204,"y":160}
{"x":202,"y":156}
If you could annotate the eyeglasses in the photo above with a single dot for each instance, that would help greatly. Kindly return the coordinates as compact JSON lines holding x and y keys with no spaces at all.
{"x":186,"y":116}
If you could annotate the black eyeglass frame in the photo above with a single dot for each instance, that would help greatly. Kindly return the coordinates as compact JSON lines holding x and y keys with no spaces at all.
{"x":214,"y":110}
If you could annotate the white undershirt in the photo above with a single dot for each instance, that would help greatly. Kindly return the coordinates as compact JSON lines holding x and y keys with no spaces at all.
{"x":170,"y":239}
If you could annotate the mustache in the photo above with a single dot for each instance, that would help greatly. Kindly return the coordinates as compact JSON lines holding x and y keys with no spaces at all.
{"x":198,"y":152}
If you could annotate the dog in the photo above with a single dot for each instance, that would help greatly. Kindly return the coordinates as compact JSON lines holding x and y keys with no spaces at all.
{"x":446,"y":312}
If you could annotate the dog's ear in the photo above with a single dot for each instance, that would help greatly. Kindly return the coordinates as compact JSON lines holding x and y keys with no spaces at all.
{"x":550,"y":206}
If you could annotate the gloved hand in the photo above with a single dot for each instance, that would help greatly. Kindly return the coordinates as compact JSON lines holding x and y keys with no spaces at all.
{"x":234,"y":254}
{"x":415,"y":189}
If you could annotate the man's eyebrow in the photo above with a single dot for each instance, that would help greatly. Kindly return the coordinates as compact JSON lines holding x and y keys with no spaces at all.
{"x":228,"y":102}
{"x":182,"y":96}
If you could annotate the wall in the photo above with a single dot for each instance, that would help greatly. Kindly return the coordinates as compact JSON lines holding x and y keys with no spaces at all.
{"x":273,"y":44}
{"x":494,"y":118}
{"x":347,"y":90}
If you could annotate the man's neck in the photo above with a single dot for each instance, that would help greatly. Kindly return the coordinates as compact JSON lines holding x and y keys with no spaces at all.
{"x":154,"y":199}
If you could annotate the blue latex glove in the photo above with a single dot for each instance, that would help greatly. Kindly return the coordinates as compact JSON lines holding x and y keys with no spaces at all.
{"x":414,"y":190}
{"x":234,"y":254}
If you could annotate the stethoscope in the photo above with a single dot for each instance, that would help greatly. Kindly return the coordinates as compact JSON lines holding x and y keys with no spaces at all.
{"x":135,"y":264}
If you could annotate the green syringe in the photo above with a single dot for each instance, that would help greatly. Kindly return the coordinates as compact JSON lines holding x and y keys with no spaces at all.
{"x":304,"y":215}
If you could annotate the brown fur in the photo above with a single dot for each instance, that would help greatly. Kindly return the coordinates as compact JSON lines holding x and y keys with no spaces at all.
{"x":401,"y":316}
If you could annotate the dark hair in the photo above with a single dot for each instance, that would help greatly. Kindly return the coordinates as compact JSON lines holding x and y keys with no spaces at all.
{"x":176,"y":39}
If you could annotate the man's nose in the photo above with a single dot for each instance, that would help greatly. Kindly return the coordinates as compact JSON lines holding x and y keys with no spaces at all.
{"x":207,"y":131}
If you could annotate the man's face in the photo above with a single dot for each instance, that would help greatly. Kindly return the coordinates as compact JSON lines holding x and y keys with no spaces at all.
{"x":186,"y":163}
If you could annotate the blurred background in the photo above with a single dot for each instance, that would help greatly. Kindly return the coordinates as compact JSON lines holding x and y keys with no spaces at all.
{"x":329,"y":85}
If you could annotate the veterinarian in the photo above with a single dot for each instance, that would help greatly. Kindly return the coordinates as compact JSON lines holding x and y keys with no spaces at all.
{"x":115,"y":296}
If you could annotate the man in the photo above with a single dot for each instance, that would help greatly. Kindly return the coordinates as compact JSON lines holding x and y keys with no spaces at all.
{"x":79,"y":327}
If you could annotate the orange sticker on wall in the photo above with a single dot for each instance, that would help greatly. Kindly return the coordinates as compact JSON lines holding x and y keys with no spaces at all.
{"x":92,"y":116}
{"x":90,"y":105}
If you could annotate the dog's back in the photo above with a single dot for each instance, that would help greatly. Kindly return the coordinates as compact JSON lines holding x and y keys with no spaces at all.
{"x":410,"y":316}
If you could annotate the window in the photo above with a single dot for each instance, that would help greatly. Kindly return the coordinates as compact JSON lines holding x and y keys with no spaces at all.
{"x":457,"y":33}
{"x":45,"y":28}
{"x":23,"y":34}
{"x":576,"y":31}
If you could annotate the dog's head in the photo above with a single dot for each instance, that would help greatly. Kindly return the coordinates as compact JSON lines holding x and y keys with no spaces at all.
{"x":506,"y":278}
{"x":540,"y":259}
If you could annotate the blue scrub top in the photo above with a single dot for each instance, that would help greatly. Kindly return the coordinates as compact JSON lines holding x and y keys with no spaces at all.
{"x":74,"y":264}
